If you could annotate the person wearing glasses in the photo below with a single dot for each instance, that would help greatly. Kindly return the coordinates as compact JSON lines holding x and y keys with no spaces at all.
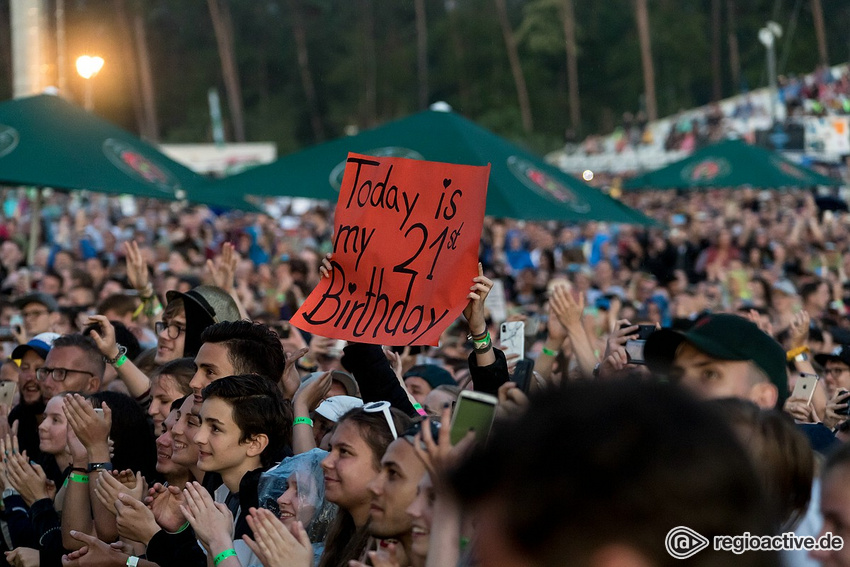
{"x":39,"y":312}
{"x":74,"y":364}
{"x":836,"y":373}
{"x":30,"y":410}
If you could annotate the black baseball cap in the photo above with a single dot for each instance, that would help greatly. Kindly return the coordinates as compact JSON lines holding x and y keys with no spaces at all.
{"x":725,"y":337}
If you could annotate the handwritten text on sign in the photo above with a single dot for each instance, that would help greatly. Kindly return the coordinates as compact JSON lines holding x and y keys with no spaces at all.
{"x":405,"y":250}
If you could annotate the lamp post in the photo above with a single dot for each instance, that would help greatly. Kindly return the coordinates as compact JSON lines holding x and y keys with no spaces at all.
{"x":768,"y":36}
{"x":87,"y":67}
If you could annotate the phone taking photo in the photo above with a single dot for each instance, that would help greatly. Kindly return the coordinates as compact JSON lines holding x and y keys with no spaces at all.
{"x":634,"y":348}
{"x":474,"y":412}
{"x":8,"y":389}
{"x":523,"y":374}
{"x":512,"y":338}
{"x":805,"y":386}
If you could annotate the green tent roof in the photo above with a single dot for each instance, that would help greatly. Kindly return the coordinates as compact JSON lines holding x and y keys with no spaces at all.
{"x":732,"y":163}
{"x":521,"y":185}
{"x":45,"y":141}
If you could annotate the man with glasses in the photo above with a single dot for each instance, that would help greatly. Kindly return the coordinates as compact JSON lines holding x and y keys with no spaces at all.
{"x":74,"y":364}
{"x":39,"y":312}
{"x":836,"y":369}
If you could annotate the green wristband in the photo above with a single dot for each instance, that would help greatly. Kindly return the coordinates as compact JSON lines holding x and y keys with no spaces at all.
{"x":224,"y":555}
{"x":550,"y":352}
{"x":306,"y":420}
{"x":120,"y":362}
{"x":482,"y":341}
{"x":84,"y":478}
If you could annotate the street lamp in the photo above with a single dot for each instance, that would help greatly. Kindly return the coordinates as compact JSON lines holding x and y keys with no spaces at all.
{"x":87,"y":67}
{"x":768,"y":36}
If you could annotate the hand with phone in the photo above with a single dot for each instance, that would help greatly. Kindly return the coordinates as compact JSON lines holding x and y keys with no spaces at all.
{"x":474,"y":411}
{"x":799,"y":405}
{"x":91,"y":429}
{"x":103,"y":334}
{"x":837,"y":409}
{"x":513,"y":402}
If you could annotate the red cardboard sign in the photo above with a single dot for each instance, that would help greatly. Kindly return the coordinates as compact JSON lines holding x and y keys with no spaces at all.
{"x":406,"y":236}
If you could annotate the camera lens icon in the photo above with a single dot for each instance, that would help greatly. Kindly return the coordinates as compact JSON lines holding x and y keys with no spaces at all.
{"x":683,"y":542}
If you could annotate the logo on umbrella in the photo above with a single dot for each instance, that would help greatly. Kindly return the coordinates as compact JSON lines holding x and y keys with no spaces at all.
{"x":706,"y":170}
{"x":8,"y":139}
{"x":335,"y":178}
{"x":126,"y":158}
{"x":544,"y":184}
{"x":788,"y":169}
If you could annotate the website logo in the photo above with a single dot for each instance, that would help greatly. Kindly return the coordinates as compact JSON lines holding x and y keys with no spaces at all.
{"x":682,"y":542}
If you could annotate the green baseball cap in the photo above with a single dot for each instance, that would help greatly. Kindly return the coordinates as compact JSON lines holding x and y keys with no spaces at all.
{"x":724,"y":337}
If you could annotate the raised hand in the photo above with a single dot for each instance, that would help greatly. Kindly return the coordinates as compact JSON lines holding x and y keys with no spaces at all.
{"x":107,"y":487}
{"x":91,"y":429}
{"x":474,"y":310}
{"x":28,"y":479}
{"x":164,"y":502}
{"x":224,"y":267}
{"x":134,"y":520}
{"x":105,"y":339}
{"x":275,"y":545}
{"x":212,"y":521}
{"x":94,"y":553}
{"x":137,"y":269}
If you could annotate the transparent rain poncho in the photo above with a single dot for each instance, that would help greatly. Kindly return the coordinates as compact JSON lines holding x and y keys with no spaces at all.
{"x":312,"y":509}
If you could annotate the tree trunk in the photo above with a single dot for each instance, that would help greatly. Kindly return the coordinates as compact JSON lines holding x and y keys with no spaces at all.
{"x":820,"y":32}
{"x":458,"y":50}
{"x":642,"y":16}
{"x":716,"y":34}
{"x":734,"y":52}
{"x":146,"y":81}
{"x":129,"y":68}
{"x":223,"y":27}
{"x":369,"y":69}
{"x":300,"y":33}
{"x":568,"y":17}
{"x":422,"y":52}
{"x":516,"y":67}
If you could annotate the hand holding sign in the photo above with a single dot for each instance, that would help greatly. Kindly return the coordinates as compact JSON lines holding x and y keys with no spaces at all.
{"x":406,"y":236}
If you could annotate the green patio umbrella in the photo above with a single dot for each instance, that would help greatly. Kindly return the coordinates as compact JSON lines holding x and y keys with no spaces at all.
{"x":732,"y":163}
{"x":45,"y":141}
{"x":522,"y":185}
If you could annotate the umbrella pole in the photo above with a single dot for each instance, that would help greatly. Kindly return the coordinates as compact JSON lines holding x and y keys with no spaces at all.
{"x":35,"y":227}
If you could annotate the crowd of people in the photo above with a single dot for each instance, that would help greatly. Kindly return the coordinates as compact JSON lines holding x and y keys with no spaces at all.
{"x":166,"y":412}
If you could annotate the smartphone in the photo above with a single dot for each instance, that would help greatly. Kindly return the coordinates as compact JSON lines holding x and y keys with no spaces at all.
{"x":414,"y":350}
{"x":7,"y":392}
{"x":523,"y":374}
{"x":474,"y":411}
{"x":845,"y":411}
{"x":92,"y":327}
{"x":634,"y":349}
{"x":282,"y":329}
{"x":7,"y":333}
{"x":805,"y":387}
{"x":512,"y":338}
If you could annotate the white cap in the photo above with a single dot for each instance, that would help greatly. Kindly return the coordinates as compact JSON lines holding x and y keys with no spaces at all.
{"x":336,"y":406}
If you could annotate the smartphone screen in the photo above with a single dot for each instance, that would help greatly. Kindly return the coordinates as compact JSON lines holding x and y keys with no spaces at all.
{"x":474,"y":411}
{"x":7,"y":392}
{"x":634,"y":352}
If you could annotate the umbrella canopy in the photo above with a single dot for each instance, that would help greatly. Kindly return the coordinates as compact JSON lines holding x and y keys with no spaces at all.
{"x":732,"y":163}
{"x":45,"y":141}
{"x":521,"y":185}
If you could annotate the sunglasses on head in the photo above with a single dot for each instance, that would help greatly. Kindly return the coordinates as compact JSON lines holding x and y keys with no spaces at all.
{"x":383,"y":407}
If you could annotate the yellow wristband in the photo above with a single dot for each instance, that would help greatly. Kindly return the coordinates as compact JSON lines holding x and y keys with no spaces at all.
{"x":794,"y":352}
